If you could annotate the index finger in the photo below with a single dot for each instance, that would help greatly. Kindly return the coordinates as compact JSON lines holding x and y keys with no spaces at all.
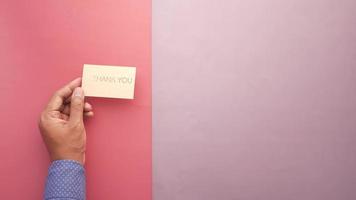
{"x":60,"y":95}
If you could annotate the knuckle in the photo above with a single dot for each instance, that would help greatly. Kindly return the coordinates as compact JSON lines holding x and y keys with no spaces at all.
{"x":60,"y":91}
{"x":43,"y":123}
{"x":67,"y":89}
{"x":77,"y":103}
{"x":56,"y":93}
{"x":77,"y":127}
{"x":41,"y":119}
{"x":40,"y":125}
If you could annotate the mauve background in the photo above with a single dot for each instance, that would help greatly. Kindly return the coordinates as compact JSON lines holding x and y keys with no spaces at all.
{"x":254,"y":99}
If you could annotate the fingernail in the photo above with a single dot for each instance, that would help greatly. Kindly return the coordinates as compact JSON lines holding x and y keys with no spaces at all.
{"x":78,"y":92}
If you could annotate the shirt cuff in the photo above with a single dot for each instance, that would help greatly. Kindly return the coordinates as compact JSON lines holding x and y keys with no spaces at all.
{"x":65,"y":180}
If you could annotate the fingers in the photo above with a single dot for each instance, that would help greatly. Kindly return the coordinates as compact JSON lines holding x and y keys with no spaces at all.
{"x":77,"y":106}
{"x":89,"y":114}
{"x":87,"y":108}
{"x":59,"y":96}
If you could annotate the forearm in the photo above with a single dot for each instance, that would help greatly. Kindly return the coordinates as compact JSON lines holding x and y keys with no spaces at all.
{"x":65,"y":181}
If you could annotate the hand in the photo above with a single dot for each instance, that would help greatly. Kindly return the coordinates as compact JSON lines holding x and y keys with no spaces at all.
{"x":61,"y":123}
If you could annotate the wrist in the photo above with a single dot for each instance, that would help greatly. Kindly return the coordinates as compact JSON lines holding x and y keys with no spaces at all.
{"x":78,"y":157}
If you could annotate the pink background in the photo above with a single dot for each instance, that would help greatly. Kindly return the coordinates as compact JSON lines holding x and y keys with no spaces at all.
{"x":44,"y":45}
{"x":254,"y":99}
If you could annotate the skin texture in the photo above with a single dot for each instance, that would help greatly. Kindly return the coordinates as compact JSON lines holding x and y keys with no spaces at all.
{"x":61,"y":123}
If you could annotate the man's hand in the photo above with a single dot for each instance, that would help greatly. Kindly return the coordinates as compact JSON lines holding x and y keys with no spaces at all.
{"x":61,"y":123}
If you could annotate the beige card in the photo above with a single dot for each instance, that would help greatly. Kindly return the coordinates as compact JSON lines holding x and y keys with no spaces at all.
{"x":108,"y":81}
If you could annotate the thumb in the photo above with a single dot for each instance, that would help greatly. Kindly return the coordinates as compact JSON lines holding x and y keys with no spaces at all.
{"x":77,"y":106}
